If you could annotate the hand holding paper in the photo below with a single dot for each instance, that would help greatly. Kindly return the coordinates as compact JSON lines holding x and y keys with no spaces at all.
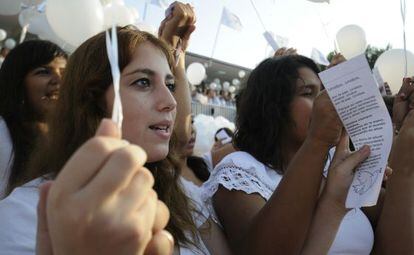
{"x":356,"y":98}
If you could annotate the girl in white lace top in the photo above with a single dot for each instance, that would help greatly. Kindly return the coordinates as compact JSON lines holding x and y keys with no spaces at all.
{"x":270,"y":196}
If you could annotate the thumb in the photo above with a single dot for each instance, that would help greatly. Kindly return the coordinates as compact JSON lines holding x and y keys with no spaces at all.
{"x":43,"y":242}
{"x":108,"y":128}
{"x":355,"y":158}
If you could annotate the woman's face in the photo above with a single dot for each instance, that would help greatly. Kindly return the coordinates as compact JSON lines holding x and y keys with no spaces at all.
{"x":148,"y":106}
{"x":307,"y":88}
{"x":42,"y":86}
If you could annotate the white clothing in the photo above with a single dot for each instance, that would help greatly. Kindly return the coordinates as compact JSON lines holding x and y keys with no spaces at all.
{"x":6,"y":156}
{"x":241,"y":171}
{"x":193,"y":192}
{"x":18,"y":220}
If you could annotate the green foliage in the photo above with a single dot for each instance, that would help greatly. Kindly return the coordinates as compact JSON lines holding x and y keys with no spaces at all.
{"x":371,"y":53}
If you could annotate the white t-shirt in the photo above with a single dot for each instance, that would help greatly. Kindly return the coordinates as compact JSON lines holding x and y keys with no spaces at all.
{"x":6,"y":156}
{"x":18,"y":220}
{"x":241,"y":171}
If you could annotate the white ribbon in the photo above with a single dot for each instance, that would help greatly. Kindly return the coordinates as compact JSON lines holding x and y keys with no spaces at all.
{"x":112,"y":51}
{"x":403,"y":15}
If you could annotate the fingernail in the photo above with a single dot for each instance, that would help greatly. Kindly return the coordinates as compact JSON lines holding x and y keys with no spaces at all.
{"x":169,"y":237}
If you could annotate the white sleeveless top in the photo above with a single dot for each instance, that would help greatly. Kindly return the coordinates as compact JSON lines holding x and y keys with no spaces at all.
{"x":241,"y":171}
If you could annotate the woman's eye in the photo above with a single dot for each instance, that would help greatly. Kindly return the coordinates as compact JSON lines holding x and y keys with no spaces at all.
{"x":42,"y":71}
{"x":307,"y":92}
{"x":143,"y":83}
{"x":171,"y":86}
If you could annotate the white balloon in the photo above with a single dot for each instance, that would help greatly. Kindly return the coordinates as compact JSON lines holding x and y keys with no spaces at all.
{"x":38,"y":24}
{"x":235,"y":81}
{"x":117,"y":13}
{"x":26,"y":16}
{"x":196,"y":73}
{"x":10,"y":7}
{"x":226,"y":85}
{"x":391,"y":65}
{"x":242,"y":74}
{"x":213,"y":86}
{"x":10,"y":43}
{"x":351,"y":41}
{"x":76,"y":20}
{"x":216,"y":80}
{"x":134,"y":12}
{"x":232,"y":89}
{"x":3,"y":34}
{"x":142,"y":26}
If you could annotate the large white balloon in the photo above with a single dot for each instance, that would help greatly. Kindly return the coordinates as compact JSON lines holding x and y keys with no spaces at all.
{"x":3,"y":34}
{"x":26,"y":16}
{"x":142,"y":26}
{"x":38,"y":24}
{"x":242,"y":73}
{"x":351,"y":41}
{"x":196,"y":73}
{"x":206,"y":127}
{"x":76,"y":20}
{"x":10,"y":7}
{"x":10,"y":43}
{"x":391,"y":65}
{"x":117,"y":13}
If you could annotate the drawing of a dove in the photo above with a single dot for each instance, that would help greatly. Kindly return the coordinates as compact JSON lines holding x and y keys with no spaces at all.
{"x":365,"y":181}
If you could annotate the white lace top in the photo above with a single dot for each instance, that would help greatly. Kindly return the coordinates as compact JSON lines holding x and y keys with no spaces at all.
{"x":241,"y":171}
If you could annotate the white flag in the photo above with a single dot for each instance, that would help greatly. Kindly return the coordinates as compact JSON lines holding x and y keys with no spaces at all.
{"x":271,"y":40}
{"x":318,"y":57}
{"x":231,"y":20}
{"x":160,"y":3}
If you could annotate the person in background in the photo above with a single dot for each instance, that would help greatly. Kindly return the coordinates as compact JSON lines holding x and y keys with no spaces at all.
{"x":29,"y":89}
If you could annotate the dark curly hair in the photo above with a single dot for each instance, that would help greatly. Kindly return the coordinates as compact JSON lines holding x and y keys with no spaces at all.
{"x":263,"y":110}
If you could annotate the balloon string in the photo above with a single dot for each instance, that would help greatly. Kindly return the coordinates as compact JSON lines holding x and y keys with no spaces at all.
{"x":258,"y":15}
{"x":403,"y":16}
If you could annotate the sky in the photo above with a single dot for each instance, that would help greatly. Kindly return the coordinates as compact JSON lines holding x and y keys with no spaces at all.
{"x":304,"y":23}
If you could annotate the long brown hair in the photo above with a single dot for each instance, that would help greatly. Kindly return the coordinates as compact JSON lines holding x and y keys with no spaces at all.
{"x":82,"y":106}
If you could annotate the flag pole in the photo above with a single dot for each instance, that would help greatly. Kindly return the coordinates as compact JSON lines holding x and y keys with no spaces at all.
{"x":215,"y":40}
{"x":145,"y":12}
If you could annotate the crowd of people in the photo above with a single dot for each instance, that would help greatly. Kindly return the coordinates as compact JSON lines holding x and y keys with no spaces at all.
{"x":73,"y":182}
{"x":213,"y":97}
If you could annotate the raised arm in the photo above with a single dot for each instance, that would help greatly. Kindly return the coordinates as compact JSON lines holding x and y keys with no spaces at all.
{"x":395,"y":230}
{"x":331,"y":209}
{"x":281,"y":225}
{"x":176,"y":30}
